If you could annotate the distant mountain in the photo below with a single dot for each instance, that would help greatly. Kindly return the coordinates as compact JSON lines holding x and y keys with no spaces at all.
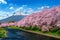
{"x":13,"y":18}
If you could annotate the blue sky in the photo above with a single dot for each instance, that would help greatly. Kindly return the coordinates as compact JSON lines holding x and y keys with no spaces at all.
{"x":24,"y":7}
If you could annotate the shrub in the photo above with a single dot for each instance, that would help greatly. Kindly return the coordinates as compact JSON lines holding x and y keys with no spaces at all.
{"x":58,"y":32}
{"x":35,"y":28}
{"x":54,"y":30}
{"x":23,"y":27}
{"x":30,"y":28}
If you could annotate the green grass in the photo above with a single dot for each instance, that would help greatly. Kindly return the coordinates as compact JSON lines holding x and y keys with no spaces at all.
{"x":2,"y":32}
{"x":55,"y":32}
{"x":13,"y":27}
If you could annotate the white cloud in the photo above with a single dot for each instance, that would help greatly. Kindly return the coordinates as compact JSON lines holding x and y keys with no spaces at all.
{"x":30,"y":10}
{"x":4,"y":14}
{"x":11,"y":8}
{"x":3,"y":1}
{"x":39,"y":9}
{"x":23,"y":10}
{"x":20,"y":13}
{"x":20,"y":8}
{"x":43,"y":7}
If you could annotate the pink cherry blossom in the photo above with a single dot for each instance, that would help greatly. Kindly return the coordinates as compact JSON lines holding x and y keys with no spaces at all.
{"x":44,"y":28}
{"x":4,"y":25}
{"x":47,"y":17}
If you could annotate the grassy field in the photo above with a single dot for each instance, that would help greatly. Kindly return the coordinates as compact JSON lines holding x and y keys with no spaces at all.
{"x":3,"y":32}
{"x":54,"y":33}
{"x":12,"y":27}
